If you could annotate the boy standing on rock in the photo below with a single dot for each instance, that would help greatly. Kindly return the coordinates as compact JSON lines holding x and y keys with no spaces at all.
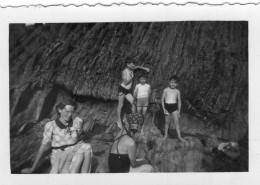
{"x":171,"y":103}
{"x":141,"y":94}
{"x":124,"y":90}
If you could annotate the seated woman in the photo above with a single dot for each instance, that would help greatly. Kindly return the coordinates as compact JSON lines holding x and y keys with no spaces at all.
{"x":68,"y":154}
{"x":122,"y":158}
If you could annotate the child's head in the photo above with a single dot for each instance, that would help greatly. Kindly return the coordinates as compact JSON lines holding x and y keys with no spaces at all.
{"x":173,"y":81}
{"x":143,"y":78}
{"x":130,"y":63}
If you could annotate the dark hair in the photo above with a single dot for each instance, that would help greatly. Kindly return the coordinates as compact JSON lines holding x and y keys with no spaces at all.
{"x":144,"y":75}
{"x":175,"y":78}
{"x":129,"y":60}
{"x":65,"y":102}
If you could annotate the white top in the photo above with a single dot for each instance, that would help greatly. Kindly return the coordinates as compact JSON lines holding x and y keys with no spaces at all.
{"x":142,"y":90}
{"x":129,"y":75}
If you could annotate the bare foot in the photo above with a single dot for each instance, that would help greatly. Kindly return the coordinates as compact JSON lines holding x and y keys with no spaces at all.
{"x":165,"y":137}
{"x":181,"y":139}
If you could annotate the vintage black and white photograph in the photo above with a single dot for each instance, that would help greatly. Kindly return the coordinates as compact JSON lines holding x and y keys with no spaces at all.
{"x":124,"y":97}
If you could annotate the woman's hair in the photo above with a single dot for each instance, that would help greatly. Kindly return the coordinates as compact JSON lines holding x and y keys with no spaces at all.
{"x":65,"y":102}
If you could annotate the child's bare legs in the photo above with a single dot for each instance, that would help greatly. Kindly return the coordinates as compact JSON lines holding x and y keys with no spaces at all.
{"x":176,"y":121}
{"x":121,"y":98}
{"x":139,"y":110}
{"x":144,"y":111}
{"x":166,"y":127}
{"x":130,"y":98}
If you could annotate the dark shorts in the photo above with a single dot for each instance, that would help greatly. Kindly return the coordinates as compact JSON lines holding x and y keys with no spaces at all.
{"x":171,"y":107}
{"x":142,"y":102}
{"x":123,"y":90}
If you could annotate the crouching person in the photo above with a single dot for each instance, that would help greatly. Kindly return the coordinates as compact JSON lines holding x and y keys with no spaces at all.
{"x":122,"y":158}
{"x":69,"y":155}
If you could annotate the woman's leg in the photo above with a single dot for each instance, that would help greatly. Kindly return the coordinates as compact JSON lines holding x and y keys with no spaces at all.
{"x":55,"y":161}
{"x":81,"y":162}
{"x":76,"y":163}
{"x":86,"y":166}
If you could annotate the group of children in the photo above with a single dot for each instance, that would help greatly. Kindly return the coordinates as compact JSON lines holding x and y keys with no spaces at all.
{"x":171,"y":99}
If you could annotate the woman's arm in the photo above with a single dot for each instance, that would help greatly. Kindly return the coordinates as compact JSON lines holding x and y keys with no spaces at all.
{"x":132,"y":152}
{"x":47,"y":136}
{"x":41,"y":151}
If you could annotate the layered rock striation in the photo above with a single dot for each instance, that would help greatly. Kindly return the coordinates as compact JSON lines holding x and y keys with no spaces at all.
{"x":49,"y":62}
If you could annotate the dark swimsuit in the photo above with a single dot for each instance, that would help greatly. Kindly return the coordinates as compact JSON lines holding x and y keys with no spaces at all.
{"x":123,"y":90}
{"x":171,"y":107}
{"x":118,"y":163}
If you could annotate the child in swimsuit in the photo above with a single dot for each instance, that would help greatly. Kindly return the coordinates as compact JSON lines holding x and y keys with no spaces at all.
{"x":171,"y":103}
{"x":124,"y":90}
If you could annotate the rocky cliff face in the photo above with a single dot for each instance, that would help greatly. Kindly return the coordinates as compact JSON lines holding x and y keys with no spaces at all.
{"x":84,"y":61}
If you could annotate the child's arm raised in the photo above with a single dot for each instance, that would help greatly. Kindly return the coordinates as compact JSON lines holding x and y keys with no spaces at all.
{"x":143,"y":68}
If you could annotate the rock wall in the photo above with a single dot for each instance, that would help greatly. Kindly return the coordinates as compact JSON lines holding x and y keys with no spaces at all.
{"x":49,"y":62}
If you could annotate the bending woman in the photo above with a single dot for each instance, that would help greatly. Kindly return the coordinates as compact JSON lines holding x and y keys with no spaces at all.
{"x":68,"y":155}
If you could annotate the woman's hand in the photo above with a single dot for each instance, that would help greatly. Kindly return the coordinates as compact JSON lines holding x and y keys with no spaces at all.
{"x":27,"y":170}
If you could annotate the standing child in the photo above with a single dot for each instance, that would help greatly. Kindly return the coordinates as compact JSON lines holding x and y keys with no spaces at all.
{"x":124,"y":90}
{"x":171,"y":103}
{"x":141,"y":94}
